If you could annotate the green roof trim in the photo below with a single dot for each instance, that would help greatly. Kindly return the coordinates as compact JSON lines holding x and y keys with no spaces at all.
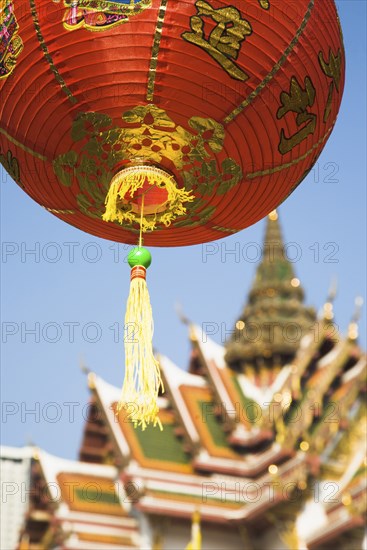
{"x":361,"y":472}
{"x":250,"y":408}
{"x":238,"y":502}
{"x":162,"y":445}
{"x":90,"y":493}
{"x":295,"y":409}
{"x":214,"y":426}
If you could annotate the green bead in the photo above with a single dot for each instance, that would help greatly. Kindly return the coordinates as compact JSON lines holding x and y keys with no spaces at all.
{"x":139,"y":256}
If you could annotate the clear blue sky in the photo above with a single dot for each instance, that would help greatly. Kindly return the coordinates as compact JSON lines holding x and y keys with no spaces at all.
{"x":80,"y":303}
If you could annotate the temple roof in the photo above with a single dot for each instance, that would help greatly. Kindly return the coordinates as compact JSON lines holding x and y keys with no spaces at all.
{"x":256,"y":416}
{"x":211,"y":440}
{"x":346,"y":510}
{"x":81,"y":505}
{"x":223,"y":423}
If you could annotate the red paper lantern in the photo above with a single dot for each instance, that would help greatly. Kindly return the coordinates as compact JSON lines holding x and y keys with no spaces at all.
{"x":232,"y":101}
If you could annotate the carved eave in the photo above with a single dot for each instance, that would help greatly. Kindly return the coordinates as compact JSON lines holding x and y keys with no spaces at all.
{"x":210,"y":356}
{"x":329,"y":368}
{"x":104,"y":398}
{"x":143,"y":450}
{"x":235,"y":394}
{"x":192,"y":399}
{"x":182,"y":389}
{"x":272,"y":401}
{"x":97,"y":446}
{"x":239,"y":500}
{"x":177,"y":384}
{"x":40,"y":524}
{"x":249,"y":465}
{"x":319,"y":361}
{"x":328,"y":537}
{"x":227,"y":396}
{"x":347,"y":512}
{"x":345,"y":445}
{"x":315,"y":395}
{"x":334,"y":419}
{"x":320,"y":340}
{"x":75,"y":505}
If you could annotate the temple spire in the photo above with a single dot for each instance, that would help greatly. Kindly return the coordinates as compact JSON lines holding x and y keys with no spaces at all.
{"x":269,"y":331}
{"x":275,"y":269}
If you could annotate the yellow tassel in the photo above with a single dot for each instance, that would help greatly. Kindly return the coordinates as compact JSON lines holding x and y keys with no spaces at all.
{"x":125,"y":184}
{"x":143,"y":380}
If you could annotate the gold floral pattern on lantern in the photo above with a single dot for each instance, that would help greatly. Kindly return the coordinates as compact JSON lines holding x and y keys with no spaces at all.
{"x":11,"y":44}
{"x":146,"y":135}
{"x":100,"y":15}
{"x":11,"y":165}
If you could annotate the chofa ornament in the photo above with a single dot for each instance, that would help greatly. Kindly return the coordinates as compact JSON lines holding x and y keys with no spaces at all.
{"x":179,"y":121}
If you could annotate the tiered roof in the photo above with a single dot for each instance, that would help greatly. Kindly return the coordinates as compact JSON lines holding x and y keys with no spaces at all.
{"x":77,"y":505}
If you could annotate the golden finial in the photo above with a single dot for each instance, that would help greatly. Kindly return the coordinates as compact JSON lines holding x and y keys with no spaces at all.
{"x":36,"y":454}
{"x":91,"y":380}
{"x":181,"y":315}
{"x":192,"y":334}
{"x":240,"y":325}
{"x":333,"y":290}
{"x":304,"y":446}
{"x":353,"y":325}
{"x":186,"y":321}
{"x":273,"y":216}
{"x":347,"y":499}
{"x":83,"y":367}
{"x":302,"y":485}
{"x":90,"y":375}
{"x":329,"y":305}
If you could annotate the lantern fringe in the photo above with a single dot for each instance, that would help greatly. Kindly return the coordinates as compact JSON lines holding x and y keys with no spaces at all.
{"x":128,"y":181}
{"x":142,"y":373}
